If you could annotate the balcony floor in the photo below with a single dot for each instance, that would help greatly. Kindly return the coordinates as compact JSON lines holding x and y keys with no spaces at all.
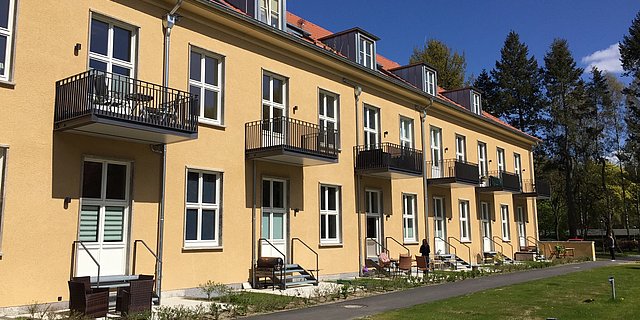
{"x":451,"y":182}
{"x":291,"y":156}
{"x":102,"y":126}
{"x":496,"y":190}
{"x":389,"y":173}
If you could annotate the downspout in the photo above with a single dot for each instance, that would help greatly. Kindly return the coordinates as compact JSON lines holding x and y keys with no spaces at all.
{"x":423,"y":119}
{"x":357,"y":91}
{"x":167,"y":24}
{"x":535,"y":201}
{"x":253,"y":225}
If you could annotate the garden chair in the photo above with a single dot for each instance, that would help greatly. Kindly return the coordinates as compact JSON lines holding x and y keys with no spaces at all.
{"x":421,"y":265}
{"x":92,"y":303}
{"x":405,"y":263}
{"x":135,"y":298}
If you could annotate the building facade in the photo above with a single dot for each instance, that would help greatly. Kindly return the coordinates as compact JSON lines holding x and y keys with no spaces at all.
{"x":241,"y":131}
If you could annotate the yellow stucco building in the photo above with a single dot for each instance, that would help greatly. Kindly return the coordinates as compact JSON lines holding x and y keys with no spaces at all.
{"x":216,"y":132}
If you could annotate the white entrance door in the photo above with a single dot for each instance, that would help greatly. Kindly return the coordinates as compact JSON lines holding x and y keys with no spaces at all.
{"x":104,"y":218}
{"x":487,"y":244}
{"x":374,"y":229}
{"x":436,"y":153}
{"x":274,"y":124}
{"x":522,"y":230}
{"x":440,"y":226}
{"x":274,"y":218}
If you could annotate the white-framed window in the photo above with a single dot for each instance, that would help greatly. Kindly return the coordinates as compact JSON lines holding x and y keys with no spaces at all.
{"x":366,"y":52}
{"x":202,"y":209}
{"x":270,"y":12}
{"x":329,"y":214}
{"x":3,"y":165}
{"x":274,"y":103}
{"x":406,"y":132}
{"x":7,"y":31}
{"x":371,"y":125}
{"x":436,"y":152}
{"x":430,"y":81}
{"x":504,"y":216}
{"x":465,"y":223}
{"x":482,"y":159}
{"x":409,"y":218}
{"x":476,"y":103}
{"x":112,"y":47}
{"x":206,"y":72}
{"x":517,"y":166}
{"x":501,"y":165}
{"x":461,"y":148}
{"x":328,"y":112}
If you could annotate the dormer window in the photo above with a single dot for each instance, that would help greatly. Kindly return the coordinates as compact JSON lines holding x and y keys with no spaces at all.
{"x":270,"y":12}
{"x":366,"y":52}
{"x":476,"y":104}
{"x":430,"y":81}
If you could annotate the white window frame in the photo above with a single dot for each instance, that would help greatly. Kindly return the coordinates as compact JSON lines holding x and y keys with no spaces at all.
{"x":267,"y":16}
{"x":482,"y":159}
{"x":517,"y":165}
{"x":409,"y":217}
{"x":323,"y":119}
{"x":465,"y":223}
{"x":461,"y":148}
{"x":366,"y":55}
{"x":324,"y":214}
{"x":406,"y":132}
{"x":270,"y":102}
{"x":3,"y":174}
{"x":217,"y":207}
{"x":430,"y":81}
{"x":109,"y":59}
{"x":502,"y":166}
{"x":202,"y":85}
{"x":9,"y":33}
{"x":436,"y":146}
{"x":367,"y":126}
{"x":476,"y":103}
{"x":504,"y":216}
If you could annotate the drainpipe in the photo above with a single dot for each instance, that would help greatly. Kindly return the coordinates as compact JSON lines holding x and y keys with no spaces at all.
{"x":357,"y":91}
{"x":423,"y":118}
{"x":167,"y":23}
{"x":253,"y":226}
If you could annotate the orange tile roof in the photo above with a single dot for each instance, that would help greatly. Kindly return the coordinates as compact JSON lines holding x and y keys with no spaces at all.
{"x":316,"y":32}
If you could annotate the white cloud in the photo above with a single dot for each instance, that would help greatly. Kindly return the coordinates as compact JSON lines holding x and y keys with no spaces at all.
{"x":606,"y":60}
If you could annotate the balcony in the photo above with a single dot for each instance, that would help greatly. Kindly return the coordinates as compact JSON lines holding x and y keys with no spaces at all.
{"x":388,"y":160}
{"x":453,"y":172}
{"x":290,"y":141}
{"x":115,"y":106}
{"x":539,"y":189}
{"x":499,"y":182}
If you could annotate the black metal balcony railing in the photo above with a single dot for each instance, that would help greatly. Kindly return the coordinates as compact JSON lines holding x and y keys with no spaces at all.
{"x":388,"y":156}
{"x":462,"y":171}
{"x":538,"y":187}
{"x":291,"y":135}
{"x":506,"y":180}
{"x":121,"y":98}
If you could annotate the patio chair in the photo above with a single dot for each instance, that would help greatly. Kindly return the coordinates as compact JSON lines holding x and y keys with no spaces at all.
{"x":421,"y":265}
{"x":92,"y":304}
{"x":404,"y":263}
{"x":135,"y":298}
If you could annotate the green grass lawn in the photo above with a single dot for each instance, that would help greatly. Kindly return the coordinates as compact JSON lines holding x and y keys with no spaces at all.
{"x":581,"y":295}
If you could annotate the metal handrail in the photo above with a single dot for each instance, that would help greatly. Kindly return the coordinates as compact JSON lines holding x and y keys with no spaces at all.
{"x":284,"y":256}
{"x":73,"y":259}
{"x":455,"y":250}
{"x":379,"y":245}
{"x":507,"y":243}
{"x":499,"y":245}
{"x":135,"y":252}
{"x":538,"y":242}
{"x":317,"y":270}
{"x":460,"y":242}
{"x":386,"y":243}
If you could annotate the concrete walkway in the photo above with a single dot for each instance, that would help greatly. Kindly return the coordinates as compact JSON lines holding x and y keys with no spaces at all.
{"x":358,"y":308}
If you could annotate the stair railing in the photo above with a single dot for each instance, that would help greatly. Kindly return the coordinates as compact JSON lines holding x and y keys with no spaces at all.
{"x":496,"y":243}
{"x":73,"y":259}
{"x":386,"y":243}
{"x":455,"y":251}
{"x":379,"y":245}
{"x":284,"y":262}
{"x":464,"y":244}
{"x":317,"y":269}
{"x":507,"y":243}
{"x":158,"y":261}
{"x":539,"y":244}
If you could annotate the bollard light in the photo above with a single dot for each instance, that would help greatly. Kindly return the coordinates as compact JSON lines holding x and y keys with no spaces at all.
{"x":612,"y":281}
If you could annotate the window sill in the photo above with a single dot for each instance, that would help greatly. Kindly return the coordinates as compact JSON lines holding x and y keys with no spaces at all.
{"x":202,"y":248}
{"x":506,"y":240}
{"x":212,"y":124}
{"x":330,"y":245}
{"x":410,"y":242}
{"x":7,"y":84}
{"x":466,"y":241}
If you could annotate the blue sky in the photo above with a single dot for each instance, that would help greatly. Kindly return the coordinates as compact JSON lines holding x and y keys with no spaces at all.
{"x":479,"y":27}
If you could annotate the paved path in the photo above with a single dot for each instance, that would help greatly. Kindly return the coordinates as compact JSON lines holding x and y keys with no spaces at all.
{"x":403,"y":299}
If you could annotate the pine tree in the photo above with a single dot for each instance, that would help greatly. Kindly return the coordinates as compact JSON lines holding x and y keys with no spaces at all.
{"x":518,"y":80}
{"x":451,"y":66}
{"x":630,"y":58}
{"x":484,"y":82}
{"x":564,"y":90}
{"x":630,"y":49}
